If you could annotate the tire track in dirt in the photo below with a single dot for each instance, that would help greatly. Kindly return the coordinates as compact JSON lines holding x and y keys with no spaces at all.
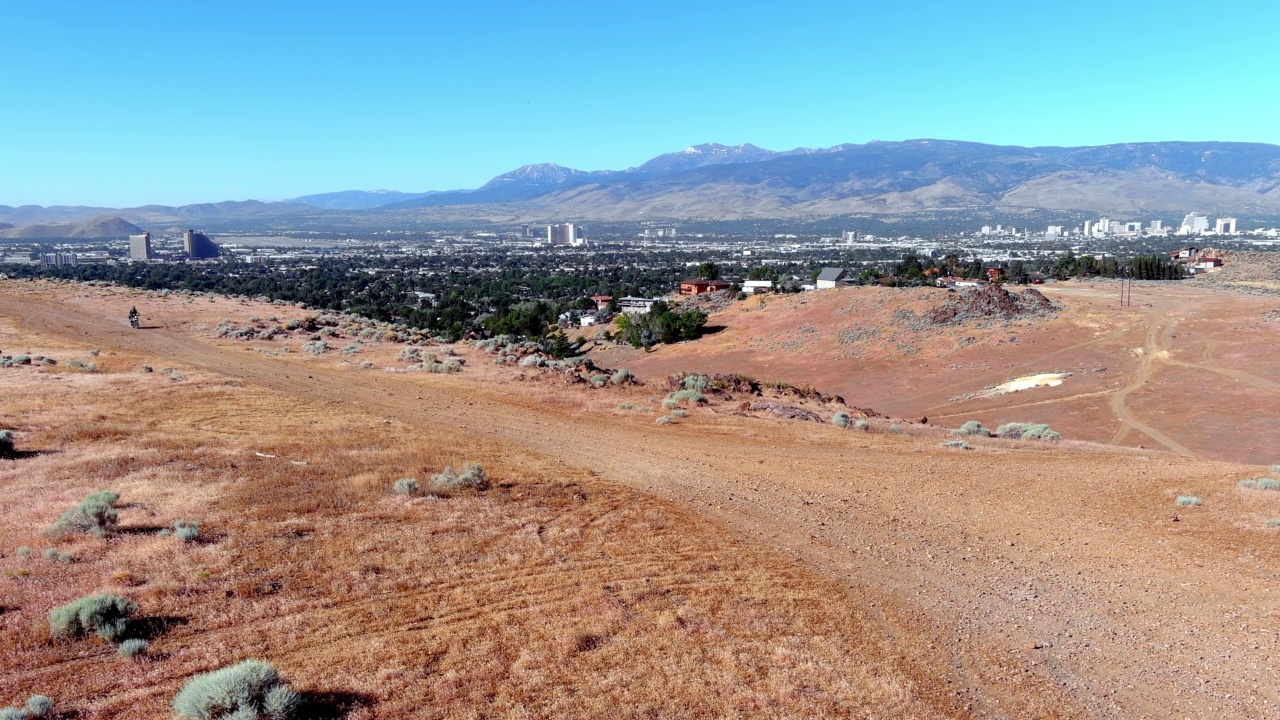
{"x":872,"y":513}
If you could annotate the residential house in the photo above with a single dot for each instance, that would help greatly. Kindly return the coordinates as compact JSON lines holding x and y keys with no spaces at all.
{"x":698,"y":286}
{"x":636,"y":305}
{"x":756,"y":286}
{"x":830,"y":277}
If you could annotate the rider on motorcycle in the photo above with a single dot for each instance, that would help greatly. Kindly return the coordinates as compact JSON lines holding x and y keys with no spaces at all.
{"x":133,"y":317}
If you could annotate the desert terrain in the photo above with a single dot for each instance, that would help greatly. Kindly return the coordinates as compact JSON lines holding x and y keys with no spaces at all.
{"x":728,"y":563}
{"x":1186,"y":368}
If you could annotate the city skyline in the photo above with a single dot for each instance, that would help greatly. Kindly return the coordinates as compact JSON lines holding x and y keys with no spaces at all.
{"x":160,"y":104}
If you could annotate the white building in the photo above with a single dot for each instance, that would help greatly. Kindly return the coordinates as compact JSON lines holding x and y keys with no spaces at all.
{"x":140,"y":247}
{"x":1225,"y":226}
{"x":1194,"y":224}
{"x":756,"y":286}
{"x":566,"y":234}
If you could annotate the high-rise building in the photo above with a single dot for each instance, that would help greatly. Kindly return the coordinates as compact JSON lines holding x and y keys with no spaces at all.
{"x":140,"y":247}
{"x":198,"y":245}
{"x":1194,"y":224}
{"x":566,"y":234}
{"x":1103,"y":227}
{"x":67,"y":259}
{"x":851,"y":236}
{"x":1225,"y":226}
{"x":1087,"y":229}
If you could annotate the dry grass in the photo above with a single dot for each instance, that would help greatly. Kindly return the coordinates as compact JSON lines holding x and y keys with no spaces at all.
{"x":551,"y":595}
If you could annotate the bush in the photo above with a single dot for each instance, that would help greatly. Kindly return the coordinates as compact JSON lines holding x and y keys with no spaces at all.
{"x":626,"y":406}
{"x":1188,"y":500}
{"x":664,"y":420}
{"x":895,"y":428}
{"x":6,"y":444}
{"x":690,"y":395}
{"x":695,"y":382}
{"x":679,"y":412}
{"x":251,"y":689}
{"x":316,"y":347}
{"x":13,"y":713}
{"x":1027,"y":431}
{"x":599,"y":380}
{"x":411,"y":354}
{"x":187,"y":531}
{"x":351,"y":349}
{"x":973,"y":427}
{"x":1265,"y":483}
{"x":133,"y":647}
{"x":407,"y":487}
{"x":669,"y":403}
{"x":38,"y":706}
{"x":96,"y":515}
{"x":106,"y":614}
{"x":842,"y":419}
{"x":24,"y":551}
{"x":862,"y":425}
{"x":472,"y":477}
{"x":957,"y":444}
{"x":622,"y":377}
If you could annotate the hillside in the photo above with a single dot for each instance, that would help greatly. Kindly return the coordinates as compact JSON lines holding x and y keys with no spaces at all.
{"x":103,"y":226}
{"x":718,"y":565}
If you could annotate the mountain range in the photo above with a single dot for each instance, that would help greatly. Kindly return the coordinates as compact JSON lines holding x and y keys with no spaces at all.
{"x":745,"y":181}
{"x":103,"y":226}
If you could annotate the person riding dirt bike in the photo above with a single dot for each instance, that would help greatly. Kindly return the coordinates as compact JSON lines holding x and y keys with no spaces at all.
{"x":133,"y":317}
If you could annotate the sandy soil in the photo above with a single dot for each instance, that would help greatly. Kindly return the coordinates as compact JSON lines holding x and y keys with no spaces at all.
{"x":1028,"y":580}
{"x":857,"y":343}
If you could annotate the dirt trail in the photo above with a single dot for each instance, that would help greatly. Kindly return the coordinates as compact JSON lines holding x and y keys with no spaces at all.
{"x":1041,"y":581}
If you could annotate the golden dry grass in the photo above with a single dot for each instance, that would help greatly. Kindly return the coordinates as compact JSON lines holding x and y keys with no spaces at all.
{"x":551,"y":595}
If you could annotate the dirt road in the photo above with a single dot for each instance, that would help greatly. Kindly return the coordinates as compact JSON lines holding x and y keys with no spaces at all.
{"x":1046,"y":581}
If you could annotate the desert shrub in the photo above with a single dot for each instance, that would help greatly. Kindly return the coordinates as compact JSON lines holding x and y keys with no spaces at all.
{"x":1273,"y":523}
{"x":862,"y":425}
{"x":533,"y":361}
{"x":351,"y":349}
{"x":1266,"y":483}
{"x":187,"y":531}
{"x":690,"y":395}
{"x":82,"y":366}
{"x":957,"y":444}
{"x":316,"y":347}
{"x":24,"y":551}
{"x":1027,"y":431}
{"x":622,"y":377}
{"x":665,"y":420}
{"x":972,"y":427}
{"x":695,"y":382}
{"x":842,"y":419}
{"x":38,"y":706}
{"x":453,"y":366}
{"x":411,"y":354}
{"x":1188,"y":500}
{"x":147,"y":369}
{"x":895,"y":428}
{"x":1275,"y":469}
{"x":21,"y":359}
{"x":55,"y":556}
{"x":366,"y":364}
{"x":96,"y":515}
{"x":472,"y":477}
{"x":6,"y":443}
{"x":248,"y":690}
{"x":679,"y":412}
{"x":48,"y":361}
{"x":164,"y":532}
{"x":406,"y":486}
{"x":599,"y":380}
{"x":133,"y":647}
{"x":293,"y":324}
{"x":626,"y":406}
{"x":13,"y":713}
{"x":106,"y":614}
{"x":670,"y":403}
{"x":435,"y":368}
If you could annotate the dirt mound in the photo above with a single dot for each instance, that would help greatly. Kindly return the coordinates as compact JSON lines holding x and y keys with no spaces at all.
{"x":991,"y":302}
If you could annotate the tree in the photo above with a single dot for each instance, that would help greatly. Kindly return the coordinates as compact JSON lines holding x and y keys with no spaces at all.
{"x":709,"y":271}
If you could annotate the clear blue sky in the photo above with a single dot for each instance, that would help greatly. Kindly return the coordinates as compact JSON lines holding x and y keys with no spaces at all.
{"x":124,"y":103}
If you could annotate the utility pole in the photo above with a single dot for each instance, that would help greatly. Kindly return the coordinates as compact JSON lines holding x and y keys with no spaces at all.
{"x":1126,"y":286}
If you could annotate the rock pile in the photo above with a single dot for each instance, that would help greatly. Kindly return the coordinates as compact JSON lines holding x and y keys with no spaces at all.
{"x":991,"y":303}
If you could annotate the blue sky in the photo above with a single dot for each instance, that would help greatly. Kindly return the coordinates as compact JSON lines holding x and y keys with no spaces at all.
{"x":125,"y":103}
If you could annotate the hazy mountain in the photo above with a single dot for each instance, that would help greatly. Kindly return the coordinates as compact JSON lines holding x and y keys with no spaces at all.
{"x":358,"y":199}
{"x":748,"y":181}
{"x":155,"y":214}
{"x":104,"y":226}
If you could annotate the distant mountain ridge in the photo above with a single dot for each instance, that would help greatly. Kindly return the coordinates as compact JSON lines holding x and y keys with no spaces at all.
{"x":745,"y":181}
{"x":104,"y":226}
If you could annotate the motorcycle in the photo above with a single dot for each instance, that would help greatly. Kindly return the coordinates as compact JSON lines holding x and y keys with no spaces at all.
{"x":133,"y":321}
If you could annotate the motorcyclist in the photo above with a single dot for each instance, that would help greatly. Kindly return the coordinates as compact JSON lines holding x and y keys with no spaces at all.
{"x":133,"y":316}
